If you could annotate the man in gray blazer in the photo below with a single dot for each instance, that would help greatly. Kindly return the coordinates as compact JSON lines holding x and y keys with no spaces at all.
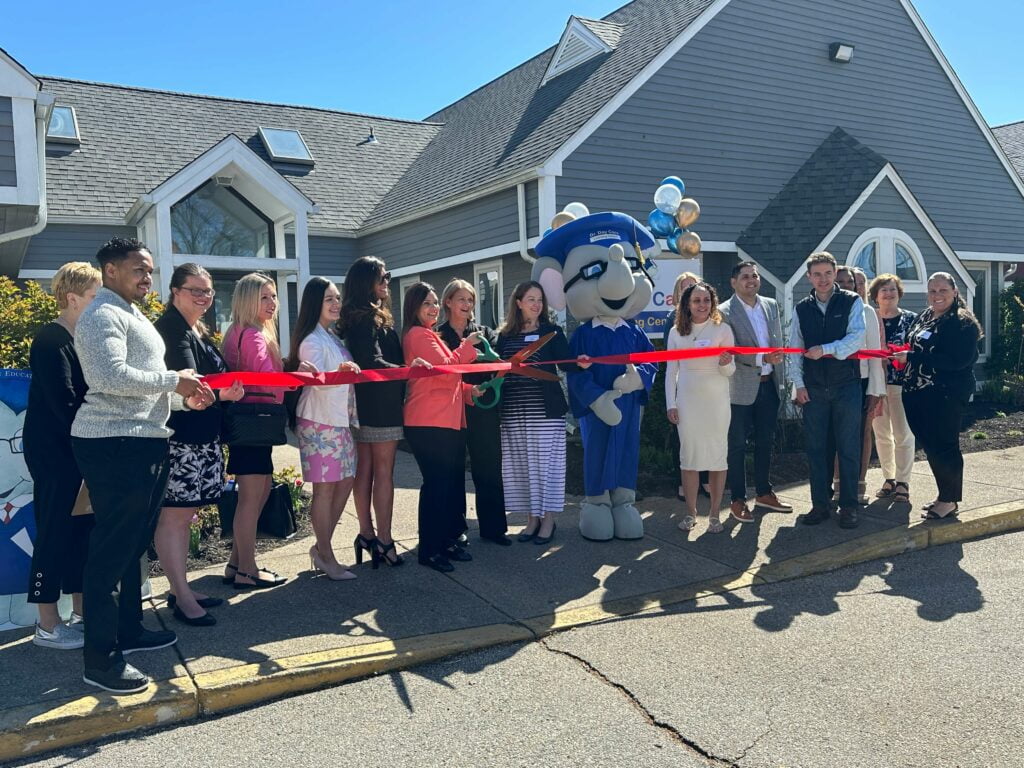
{"x":753,"y":389}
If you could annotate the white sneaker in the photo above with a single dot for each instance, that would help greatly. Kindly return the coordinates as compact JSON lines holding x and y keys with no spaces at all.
{"x":62,"y":638}
{"x":76,"y":622}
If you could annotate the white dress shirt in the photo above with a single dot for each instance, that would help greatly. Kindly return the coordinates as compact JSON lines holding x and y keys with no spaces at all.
{"x":759,"y":322}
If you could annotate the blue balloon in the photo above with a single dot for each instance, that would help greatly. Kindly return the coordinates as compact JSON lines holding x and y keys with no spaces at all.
{"x":673,"y":240}
{"x":675,"y":181}
{"x":547,"y":232}
{"x":660,"y":223}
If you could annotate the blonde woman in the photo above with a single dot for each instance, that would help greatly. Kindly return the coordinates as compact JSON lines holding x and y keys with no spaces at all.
{"x":55,"y":392}
{"x":250,"y":344}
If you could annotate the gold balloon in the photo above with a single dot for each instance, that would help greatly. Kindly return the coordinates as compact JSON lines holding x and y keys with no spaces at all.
{"x":688,"y":213}
{"x":562,"y":217}
{"x":689,"y":243}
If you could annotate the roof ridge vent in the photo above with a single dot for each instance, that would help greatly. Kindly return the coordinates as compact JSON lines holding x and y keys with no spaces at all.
{"x":579,"y":43}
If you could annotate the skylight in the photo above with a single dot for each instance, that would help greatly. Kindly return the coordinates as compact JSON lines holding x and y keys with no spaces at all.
{"x":63,"y":126}
{"x":285,"y":146}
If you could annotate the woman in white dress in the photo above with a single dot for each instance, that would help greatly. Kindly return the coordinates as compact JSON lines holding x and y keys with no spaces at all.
{"x":698,"y":389}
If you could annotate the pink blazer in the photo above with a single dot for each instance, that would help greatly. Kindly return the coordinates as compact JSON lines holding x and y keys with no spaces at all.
{"x":252,"y":354}
{"x":436,"y":401}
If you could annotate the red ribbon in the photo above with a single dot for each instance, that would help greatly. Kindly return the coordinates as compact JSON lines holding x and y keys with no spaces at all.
{"x":291,"y":380}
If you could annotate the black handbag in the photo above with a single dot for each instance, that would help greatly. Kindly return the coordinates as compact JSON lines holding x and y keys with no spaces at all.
{"x":255,"y":424}
{"x":277,"y":519}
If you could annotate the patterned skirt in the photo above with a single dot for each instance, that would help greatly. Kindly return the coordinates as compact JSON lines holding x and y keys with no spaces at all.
{"x":197,"y":474}
{"x":533,"y":464}
{"x":328,"y":453}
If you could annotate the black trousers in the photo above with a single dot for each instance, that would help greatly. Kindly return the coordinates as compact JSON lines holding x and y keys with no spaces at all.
{"x":62,"y":541}
{"x":762,"y":415}
{"x":440,"y":454}
{"x":126,"y":477}
{"x":934,"y":418}
{"x":483,"y":440}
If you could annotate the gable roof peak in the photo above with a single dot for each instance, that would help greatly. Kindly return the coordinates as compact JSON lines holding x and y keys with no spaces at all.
{"x":582,"y":40}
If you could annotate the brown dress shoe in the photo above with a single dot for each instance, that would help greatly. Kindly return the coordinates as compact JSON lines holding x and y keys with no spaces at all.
{"x":772,"y":502}
{"x":739,"y":511}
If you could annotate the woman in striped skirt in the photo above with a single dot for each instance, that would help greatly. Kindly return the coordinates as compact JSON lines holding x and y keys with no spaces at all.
{"x":533,"y":417}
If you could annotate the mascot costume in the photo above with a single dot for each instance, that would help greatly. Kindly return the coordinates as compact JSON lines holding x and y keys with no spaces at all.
{"x":600,"y":266}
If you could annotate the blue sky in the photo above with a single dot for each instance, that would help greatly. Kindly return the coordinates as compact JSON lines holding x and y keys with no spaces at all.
{"x":395,"y":57}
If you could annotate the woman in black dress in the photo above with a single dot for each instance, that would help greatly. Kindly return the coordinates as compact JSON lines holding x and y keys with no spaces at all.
{"x":55,"y":393}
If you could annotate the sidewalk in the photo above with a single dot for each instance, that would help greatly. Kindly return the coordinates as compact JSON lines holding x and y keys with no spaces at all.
{"x":313,"y":632}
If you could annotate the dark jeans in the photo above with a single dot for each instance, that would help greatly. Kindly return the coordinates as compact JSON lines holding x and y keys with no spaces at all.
{"x":62,"y":541}
{"x":762,"y":415}
{"x":440,"y":454}
{"x":839,"y":408}
{"x":126,"y":478}
{"x":483,"y":440}
{"x":934,"y":418}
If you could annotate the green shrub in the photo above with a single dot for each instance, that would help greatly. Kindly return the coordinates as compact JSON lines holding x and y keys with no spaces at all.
{"x":1008,"y":345}
{"x":979,"y":436}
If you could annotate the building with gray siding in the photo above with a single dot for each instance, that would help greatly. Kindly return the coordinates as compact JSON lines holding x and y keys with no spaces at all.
{"x":883,"y":159}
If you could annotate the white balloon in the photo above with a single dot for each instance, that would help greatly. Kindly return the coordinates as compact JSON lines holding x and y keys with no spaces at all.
{"x":667,"y":199}
{"x":579,"y":210}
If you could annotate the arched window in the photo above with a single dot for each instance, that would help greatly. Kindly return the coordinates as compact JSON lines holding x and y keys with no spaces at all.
{"x":879,"y":250}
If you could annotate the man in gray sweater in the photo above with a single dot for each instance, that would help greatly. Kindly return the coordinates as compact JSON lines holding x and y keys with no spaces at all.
{"x":119,"y":438}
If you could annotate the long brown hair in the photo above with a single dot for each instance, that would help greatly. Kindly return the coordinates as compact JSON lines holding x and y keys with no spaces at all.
{"x":411,"y":303}
{"x":359,"y":295}
{"x":514,"y":316}
{"x":962,"y":312}
{"x":684,"y":320}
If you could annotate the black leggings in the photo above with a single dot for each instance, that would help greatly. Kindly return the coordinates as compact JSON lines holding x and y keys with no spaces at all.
{"x":934,"y":418}
{"x":440,"y":454}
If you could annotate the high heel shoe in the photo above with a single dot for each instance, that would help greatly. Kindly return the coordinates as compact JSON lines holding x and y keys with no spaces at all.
{"x":360,"y":544}
{"x":381,"y":551}
{"x":335,"y":572}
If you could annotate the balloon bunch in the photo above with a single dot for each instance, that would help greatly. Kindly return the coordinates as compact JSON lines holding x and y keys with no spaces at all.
{"x":571,"y":212}
{"x":673,"y":215}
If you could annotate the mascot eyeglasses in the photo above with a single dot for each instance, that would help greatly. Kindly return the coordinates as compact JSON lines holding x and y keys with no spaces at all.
{"x":593,"y":270}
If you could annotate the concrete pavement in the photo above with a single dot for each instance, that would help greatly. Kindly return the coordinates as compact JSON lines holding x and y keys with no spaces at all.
{"x":313,"y":632}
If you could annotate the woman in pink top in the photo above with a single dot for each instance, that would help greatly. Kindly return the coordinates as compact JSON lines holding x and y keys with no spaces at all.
{"x":435,"y":418}
{"x":250,"y":344}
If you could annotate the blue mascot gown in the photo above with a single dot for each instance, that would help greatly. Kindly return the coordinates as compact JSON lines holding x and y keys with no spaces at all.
{"x":610,"y":454}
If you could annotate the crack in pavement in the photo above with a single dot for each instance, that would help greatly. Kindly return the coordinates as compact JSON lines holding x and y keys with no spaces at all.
{"x":766,"y":732}
{"x":667,"y":728}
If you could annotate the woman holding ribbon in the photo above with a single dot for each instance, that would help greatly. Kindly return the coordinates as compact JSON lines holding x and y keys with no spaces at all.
{"x":533,"y":416}
{"x":701,"y":385}
{"x":324,"y":416}
{"x":435,"y":423}
{"x":197,"y":459}
{"x":483,"y":440}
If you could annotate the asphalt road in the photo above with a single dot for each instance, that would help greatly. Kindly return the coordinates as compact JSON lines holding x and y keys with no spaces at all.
{"x":914,"y":661}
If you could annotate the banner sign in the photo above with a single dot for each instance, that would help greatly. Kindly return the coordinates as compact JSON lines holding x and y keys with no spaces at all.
{"x":654,"y":319}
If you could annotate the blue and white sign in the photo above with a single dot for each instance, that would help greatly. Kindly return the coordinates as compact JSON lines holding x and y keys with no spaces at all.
{"x":654,"y":317}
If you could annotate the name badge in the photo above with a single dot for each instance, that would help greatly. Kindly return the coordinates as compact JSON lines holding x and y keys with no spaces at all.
{"x":701,"y":343}
{"x":926,"y":334}
{"x":532,"y":337}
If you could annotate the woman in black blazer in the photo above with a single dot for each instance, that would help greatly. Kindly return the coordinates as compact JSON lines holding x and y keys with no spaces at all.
{"x":938,"y":383}
{"x":197,"y":460}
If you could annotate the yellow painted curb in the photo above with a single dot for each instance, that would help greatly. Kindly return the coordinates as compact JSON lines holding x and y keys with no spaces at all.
{"x":45,"y":726}
{"x":1008,"y":516}
{"x":235,"y":687}
{"x":629,"y":606}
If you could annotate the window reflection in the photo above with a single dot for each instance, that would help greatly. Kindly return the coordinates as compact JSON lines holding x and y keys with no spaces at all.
{"x":217,"y":221}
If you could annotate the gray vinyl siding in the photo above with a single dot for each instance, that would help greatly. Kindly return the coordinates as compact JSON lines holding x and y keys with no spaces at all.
{"x":439,"y":278}
{"x":8,"y":173}
{"x":60,"y":243}
{"x":489,"y":221}
{"x":533,"y":227}
{"x":327,"y":255}
{"x":514,"y":270}
{"x":742,"y":105}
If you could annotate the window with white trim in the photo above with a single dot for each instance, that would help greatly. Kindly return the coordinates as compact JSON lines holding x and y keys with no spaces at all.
{"x":490,"y":309}
{"x":404,"y":284}
{"x":981,"y":273}
{"x":892,"y":251}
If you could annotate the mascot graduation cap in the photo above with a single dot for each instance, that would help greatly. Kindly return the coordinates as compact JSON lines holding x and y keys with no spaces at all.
{"x":600,"y":267}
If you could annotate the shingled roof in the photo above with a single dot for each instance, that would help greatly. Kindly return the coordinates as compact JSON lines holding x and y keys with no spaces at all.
{"x":135,"y":138}
{"x":1011,"y":139}
{"x":807,"y":208}
{"x":514,"y":124}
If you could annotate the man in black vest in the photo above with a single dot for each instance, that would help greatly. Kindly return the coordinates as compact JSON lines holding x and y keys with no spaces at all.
{"x":829,"y":324}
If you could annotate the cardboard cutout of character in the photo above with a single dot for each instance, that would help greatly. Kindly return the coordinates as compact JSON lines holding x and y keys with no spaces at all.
{"x":17,"y":515}
{"x":600,"y":267}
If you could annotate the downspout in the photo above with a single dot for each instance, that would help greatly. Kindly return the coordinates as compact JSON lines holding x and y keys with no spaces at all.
{"x":524,"y":249}
{"x":44,"y":100}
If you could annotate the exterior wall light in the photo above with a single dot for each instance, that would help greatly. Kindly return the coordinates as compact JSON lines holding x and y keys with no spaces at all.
{"x":840,"y":52}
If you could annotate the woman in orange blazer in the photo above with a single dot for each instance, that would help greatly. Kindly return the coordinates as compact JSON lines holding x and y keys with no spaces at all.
{"x":435,"y":420}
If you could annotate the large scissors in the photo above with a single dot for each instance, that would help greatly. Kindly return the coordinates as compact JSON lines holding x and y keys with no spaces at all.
{"x":517,"y":368}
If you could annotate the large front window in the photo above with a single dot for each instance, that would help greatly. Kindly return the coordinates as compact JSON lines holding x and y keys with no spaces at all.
{"x":215,"y":220}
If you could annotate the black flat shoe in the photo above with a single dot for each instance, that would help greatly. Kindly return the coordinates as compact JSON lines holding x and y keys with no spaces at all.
{"x":458,"y":554}
{"x":524,"y":537}
{"x":206,"y":602}
{"x":502,"y":540}
{"x":438,"y":563}
{"x":229,"y":579}
{"x":546,"y":539}
{"x":274,"y":581}
{"x":206,"y":620}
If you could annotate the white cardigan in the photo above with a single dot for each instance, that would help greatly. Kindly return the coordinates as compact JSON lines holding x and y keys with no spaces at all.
{"x":328,"y":405}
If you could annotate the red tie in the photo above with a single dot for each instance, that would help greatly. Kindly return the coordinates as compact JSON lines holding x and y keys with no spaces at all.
{"x":7,"y":512}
